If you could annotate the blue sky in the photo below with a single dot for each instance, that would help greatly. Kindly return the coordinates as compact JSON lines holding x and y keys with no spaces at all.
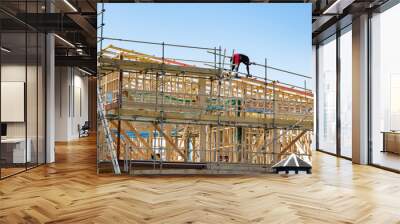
{"x":279,"y":32}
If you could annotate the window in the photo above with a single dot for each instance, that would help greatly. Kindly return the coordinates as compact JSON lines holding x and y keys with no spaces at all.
{"x":346,"y":92}
{"x":385,"y":88}
{"x":22,"y":77}
{"x":327,"y":95}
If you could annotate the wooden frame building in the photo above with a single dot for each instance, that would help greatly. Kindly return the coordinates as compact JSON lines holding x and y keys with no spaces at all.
{"x":166,"y":116}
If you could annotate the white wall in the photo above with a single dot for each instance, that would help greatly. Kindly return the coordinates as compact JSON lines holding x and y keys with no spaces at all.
{"x":62,"y":82}
{"x":14,"y":72}
{"x":71,"y":102}
{"x":81,"y":102}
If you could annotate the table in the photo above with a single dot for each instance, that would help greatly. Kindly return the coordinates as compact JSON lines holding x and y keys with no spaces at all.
{"x":13,"y":150}
{"x":391,"y":141}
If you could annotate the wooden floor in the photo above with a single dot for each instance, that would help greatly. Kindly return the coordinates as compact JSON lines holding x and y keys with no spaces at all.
{"x":5,"y":172}
{"x":71,"y":192}
{"x":386,"y":159}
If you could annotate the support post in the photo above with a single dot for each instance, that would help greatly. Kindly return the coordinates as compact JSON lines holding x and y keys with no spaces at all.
{"x":338,"y":91}
{"x":120,"y":83}
{"x":360,"y":90}
{"x":265,"y":110}
{"x":275,"y":149}
{"x":203,"y":128}
{"x":50,"y":92}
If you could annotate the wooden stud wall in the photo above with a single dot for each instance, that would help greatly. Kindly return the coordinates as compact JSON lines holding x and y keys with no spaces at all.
{"x":174,"y":139}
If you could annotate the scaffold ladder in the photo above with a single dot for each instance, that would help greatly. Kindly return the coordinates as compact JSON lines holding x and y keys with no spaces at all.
{"x":107,"y":133}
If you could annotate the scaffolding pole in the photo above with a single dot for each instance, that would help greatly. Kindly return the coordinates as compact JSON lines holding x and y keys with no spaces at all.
{"x":265,"y":110}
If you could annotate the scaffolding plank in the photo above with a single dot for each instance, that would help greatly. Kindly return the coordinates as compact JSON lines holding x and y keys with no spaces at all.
{"x":215,"y":119}
{"x":116,"y":64}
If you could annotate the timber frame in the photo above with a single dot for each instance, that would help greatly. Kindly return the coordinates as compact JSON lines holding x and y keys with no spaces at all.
{"x":167,"y":116}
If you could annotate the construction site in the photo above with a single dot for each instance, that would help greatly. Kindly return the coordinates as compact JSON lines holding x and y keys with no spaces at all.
{"x":162,"y":115}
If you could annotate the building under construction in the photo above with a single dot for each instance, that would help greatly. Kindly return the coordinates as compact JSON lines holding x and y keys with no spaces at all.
{"x":166,"y":115}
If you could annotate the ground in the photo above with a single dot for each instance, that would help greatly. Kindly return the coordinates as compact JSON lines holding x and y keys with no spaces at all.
{"x":70,"y":191}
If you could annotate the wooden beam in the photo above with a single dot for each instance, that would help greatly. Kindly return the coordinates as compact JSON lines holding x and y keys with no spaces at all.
{"x":169,"y":140}
{"x":167,"y":151}
{"x":141,"y":139}
{"x":123,"y":142}
{"x":292,"y":143}
{"x":184,"y":141}
{"x":260,"y":141}
{"x":129,"y":139}
{"x":116,"y":64}
{"x":195,"y":118}
{"x":142,"y":57}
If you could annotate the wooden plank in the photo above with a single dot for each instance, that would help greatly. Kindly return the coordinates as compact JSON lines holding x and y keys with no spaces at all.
{"x":170,"y":141}
{"x":292,"y":143}
{"x":184,"y":141}
{"x":111,"y":64}
{"x":123,"y":142}
{"x":284,"y":121}
{"x":141,"y":139}
{"x":123,"y":133}
{"x":143,"y":57}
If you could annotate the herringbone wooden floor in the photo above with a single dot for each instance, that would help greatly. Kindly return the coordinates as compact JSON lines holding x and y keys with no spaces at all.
{"x":71,"y":192}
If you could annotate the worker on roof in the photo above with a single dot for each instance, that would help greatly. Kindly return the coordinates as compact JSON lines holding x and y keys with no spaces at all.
{"x":236,"y":59}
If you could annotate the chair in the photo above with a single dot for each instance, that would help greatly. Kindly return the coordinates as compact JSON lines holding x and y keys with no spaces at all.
{"x":84,"y":130}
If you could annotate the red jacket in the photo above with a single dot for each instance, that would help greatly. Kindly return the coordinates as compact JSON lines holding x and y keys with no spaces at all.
{"x":236,"y":59}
